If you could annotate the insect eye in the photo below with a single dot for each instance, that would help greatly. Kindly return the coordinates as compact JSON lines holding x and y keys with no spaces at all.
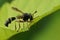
{"x":31,"y":18}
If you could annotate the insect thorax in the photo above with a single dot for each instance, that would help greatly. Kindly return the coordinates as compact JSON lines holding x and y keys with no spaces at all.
{"x":25,"y":17}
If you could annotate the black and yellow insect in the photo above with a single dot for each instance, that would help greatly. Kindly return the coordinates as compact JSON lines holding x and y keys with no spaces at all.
{"x":24,"y":17}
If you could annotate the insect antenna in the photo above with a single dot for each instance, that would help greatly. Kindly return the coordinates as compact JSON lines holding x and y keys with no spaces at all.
{"x":34,"y":13}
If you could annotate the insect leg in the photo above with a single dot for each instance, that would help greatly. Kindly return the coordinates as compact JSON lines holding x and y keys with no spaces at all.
{"x":15,"y":26}
{"x":23,"y":24}
{"x":27,"y":23}
{"x":19,"y":27}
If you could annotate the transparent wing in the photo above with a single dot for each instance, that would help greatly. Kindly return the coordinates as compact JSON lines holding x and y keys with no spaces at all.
{"x":16,"y":9}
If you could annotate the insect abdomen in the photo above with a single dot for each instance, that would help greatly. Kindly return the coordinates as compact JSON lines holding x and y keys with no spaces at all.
{"x":9,"y":21}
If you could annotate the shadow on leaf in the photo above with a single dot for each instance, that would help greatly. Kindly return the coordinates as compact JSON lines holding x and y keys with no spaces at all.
{"x":2,"y":2}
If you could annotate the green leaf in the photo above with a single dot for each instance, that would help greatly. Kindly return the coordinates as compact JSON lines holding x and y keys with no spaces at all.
{"x":39,"y":27}
{"x":45,"y":29}
{"x":48,"y":28}
{"x":6,"y":33}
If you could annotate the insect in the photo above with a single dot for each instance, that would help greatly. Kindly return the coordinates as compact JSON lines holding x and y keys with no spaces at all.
{"x":24,"y":17}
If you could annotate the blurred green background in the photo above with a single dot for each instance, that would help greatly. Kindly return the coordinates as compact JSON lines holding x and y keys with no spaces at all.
{"x":44,"y":27}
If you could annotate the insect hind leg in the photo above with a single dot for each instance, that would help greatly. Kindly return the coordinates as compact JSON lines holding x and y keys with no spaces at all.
{"x":19,"y":27}
{"x":15,"y":26}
